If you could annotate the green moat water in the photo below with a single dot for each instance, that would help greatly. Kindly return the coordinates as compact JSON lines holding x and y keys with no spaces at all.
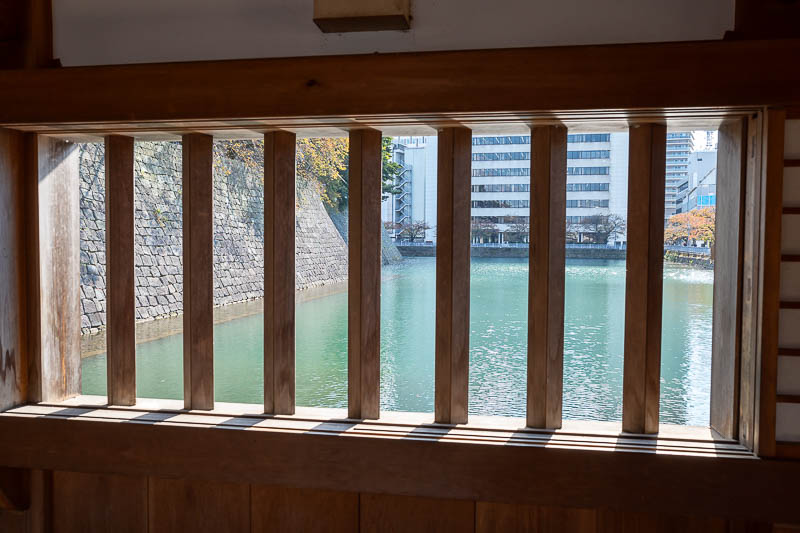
{"x":593,"y":344}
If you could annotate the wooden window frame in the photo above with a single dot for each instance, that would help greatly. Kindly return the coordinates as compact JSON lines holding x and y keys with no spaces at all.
{"x":546,"y":285}
{"x":408,"y":94}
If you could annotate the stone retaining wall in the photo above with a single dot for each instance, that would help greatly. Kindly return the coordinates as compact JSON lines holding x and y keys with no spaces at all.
{"x":321,"y":252}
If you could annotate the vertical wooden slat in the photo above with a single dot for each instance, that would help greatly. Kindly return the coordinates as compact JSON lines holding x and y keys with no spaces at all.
{"x":279,"y":272}
{"x":59,"y":269}
{"x":643,"y":287}
{"x":728,"y":245}
{"x":13,"y":333}
{"x":33,"y":317}
{"x":364,"y":274}
{"x":546,"y":283}
{"x":751,"y":269}
{"x":452,"y":275}
{"x":120,"y":293}
{"x":771,"y":209}
{"x":198,"y":272}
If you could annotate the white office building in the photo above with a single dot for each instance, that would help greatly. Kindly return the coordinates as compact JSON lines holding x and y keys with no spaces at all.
{"x":597,"y":185}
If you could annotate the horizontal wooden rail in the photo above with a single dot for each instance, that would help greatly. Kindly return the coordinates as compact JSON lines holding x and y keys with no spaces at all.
{"x":484,"y":81}
{"x":791,"y":210}
{"x":789,"y":305}
{"x":790,"y":258}
{"x":789,"y":352}
{"x":426,"y":461}
{"x":788,"y":398}
{"x":791,"y":163}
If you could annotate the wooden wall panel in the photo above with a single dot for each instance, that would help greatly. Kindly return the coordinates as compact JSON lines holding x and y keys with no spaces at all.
{"x":85,"y":503}
{"x":725,"y":347}
{"x":198,"y":272}
{"x":59,"y":265}
{"x":279,"y":272}
{"x":364,"y":275}
{"x":178,"y":505}
{"x":120,"y":292}
{"x":13,"y":360}
{"x":452,"y":274}
{"x":287,"y":509}
{"x":548,"y":202}
{"x":644,"y":278}
{"x":386,"y":513}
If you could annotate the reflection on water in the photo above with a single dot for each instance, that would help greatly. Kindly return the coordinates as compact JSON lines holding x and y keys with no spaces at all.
{"x":593,"y":344}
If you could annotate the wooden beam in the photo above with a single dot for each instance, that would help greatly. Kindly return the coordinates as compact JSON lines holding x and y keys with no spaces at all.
{"x":13,"y":335}
{"x":364,"y":274}
{"x":120,"y":293}
{"x":734,"y":487}
{"x":484,"y":81}
{"x":728,"y":248}
{"x":546,"y":281}
{"x":59,"y":269}
{"x":198,"y":272}
{"x":452,"y":275}
{"x":26,"y":34}
{"x":279,"y":230}
{"x":644,"y":278}
{"x":772,"y":203}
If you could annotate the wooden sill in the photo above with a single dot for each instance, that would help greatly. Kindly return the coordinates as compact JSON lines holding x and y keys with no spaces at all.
{"x":490,"y":430}
{"x":489,"y":459}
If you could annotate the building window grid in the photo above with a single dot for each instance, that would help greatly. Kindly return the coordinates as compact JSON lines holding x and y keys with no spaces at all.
{"x":587,"y":187}
{"x":500,"y":204}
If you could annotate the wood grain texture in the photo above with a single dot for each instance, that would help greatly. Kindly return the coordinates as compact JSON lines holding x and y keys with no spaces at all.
{"x":612,"y":77}
{"x":26,"y":34}
{"x":390,"y":513}
{"x":279,"y":272}
{"x":120,"y":292}
{"x":452,"y":275}
{"x":644,"y":278}
{"x":364,"y":274}
{"x":287,"y":509}
{"x":59,"y":269}
{"x":548,"y":202}
{"x":99,"y":502}
{"x":726,"y":487}
{"x":32,"y":279}
{"x":728,"y":250}
{"x":772,"y":202}
{"x":198,"y":272}
{"x":751,"y":269}
{"x":13,"y":297}
{"x":177,"y":505}
{"x":491,"y":517}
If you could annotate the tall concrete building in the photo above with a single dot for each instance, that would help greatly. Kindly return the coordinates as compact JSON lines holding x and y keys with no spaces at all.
{"x":596,"y":185}
{"x":680,"y":145}
{"x":700,"y":187}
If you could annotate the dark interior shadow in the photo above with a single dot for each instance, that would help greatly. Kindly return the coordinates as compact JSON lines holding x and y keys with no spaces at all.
{"x":240,"y":422}
{"x":334,"y":427}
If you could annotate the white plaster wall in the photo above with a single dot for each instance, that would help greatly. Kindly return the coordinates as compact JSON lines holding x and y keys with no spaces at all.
{"x":92,"y":32}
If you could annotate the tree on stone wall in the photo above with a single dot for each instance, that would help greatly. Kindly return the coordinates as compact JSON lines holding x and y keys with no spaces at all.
{"x":320,"y":161}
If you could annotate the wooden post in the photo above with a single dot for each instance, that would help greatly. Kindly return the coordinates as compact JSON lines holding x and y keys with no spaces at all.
{"x":198,"y":272}
{"x":13,"y":272}
{"x":58,"y":323}
{"x":120,"y":293}
{"x":279,"y":273}
{"x":772,"y":208}
{"x":452,"y":275}
{"x":364,"y":275}
{"x":751,"y":272}
{"x":546,"y":281}
{"x":728,"y":247}
{"x":644,"y":278}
